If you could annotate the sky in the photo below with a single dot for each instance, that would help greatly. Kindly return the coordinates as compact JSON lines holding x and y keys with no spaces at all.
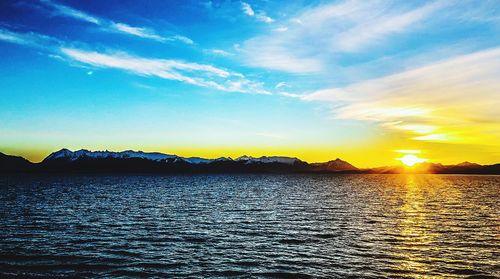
{"x":365,"y":81}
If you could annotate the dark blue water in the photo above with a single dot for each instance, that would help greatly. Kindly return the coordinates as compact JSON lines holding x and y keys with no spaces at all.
{"x":250,"y":226}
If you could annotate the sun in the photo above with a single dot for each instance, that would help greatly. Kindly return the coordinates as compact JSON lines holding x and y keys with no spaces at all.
{"x":410,"y":160}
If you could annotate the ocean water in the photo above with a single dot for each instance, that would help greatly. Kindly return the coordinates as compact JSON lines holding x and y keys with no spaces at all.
{"x":250,"y":226}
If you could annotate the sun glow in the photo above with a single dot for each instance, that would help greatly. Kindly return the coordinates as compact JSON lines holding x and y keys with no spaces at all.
{"x":410,"y":160}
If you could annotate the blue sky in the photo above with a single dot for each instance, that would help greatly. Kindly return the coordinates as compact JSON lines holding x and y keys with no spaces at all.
{"x":313,"y":79}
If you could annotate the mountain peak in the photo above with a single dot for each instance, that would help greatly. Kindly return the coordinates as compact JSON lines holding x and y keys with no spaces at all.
{"x":334,"y":165}
{"x":268,"y":159}
{"x":67,"y":154}
{"x":468,"y":164}
{"x":63,"y":153}
{"x":140,"y":161}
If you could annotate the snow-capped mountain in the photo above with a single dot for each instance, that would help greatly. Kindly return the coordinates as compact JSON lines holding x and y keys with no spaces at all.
{"x":197,"y":160}
{"x":86,"y":160}
{"x":65,"y":154}
{"x":130,"y":161}
{"x":83,"y":153}
{"x":267,"y":160}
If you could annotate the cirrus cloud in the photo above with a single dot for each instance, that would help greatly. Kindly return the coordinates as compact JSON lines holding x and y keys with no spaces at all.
{"x":455,"y":100}
{"x":192,"y":73}
{"x":110,"y":26}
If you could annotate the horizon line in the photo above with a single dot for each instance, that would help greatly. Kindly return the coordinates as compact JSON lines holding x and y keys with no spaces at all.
{"x":229,"y":157}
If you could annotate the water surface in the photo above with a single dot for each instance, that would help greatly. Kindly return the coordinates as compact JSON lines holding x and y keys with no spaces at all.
{"x":250,"y":226}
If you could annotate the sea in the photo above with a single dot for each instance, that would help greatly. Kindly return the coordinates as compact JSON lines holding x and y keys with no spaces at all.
{"x":250,"y":226}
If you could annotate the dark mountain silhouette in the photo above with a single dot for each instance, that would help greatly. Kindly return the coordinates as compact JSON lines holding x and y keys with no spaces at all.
{"x":336,"y":165}
{"x":138,"y":161}
{"x":468,"y":165}
{"x":462,"y":168}
{"x":67,"y":161}
{"x":10,"y":163}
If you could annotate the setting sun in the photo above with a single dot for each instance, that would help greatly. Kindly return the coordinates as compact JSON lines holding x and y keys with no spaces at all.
{"x":410,"y":160}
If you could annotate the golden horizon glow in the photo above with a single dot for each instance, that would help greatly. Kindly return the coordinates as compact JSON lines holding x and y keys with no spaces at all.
{"x":362,"y":155}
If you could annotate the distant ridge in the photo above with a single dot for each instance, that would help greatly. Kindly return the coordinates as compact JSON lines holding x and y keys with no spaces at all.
{"x":83,"y":160}
{"x":10,"y":163}
{"x":333,"y":166}
{"x":129,"y":161}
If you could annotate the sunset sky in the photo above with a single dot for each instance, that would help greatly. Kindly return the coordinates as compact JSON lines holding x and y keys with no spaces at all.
{"x":366,"y":81}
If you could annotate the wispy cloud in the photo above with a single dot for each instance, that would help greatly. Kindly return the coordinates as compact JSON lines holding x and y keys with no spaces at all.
{"x":179,"y":38}
{"x":137,"y":31}
{"x":29,"y":38}
{"x":375,"y":28}
{"x":455,"y":100}
{"x":312,"y":40}
{"x":8,"y":36}
{"x":280,"y":84}
{"x":110,"y":26}
{"x":148,"y":33}
{"x":247,"y":9}
{"x":260,"y":15}
{"x":219,"y":52}
{"x":191,"y":73}
{"x":62,"y":10}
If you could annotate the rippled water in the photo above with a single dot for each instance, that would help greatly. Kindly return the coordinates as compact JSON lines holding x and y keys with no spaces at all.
{"x":250,"y":226}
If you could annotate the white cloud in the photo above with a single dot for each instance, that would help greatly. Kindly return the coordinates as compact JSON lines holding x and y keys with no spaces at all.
{"x":247,"y":9}
{"x":273,"y":54}
{"x":29,"y":39}
{"x":180,"y":38}
{"x":191,"y":73}
{"x":373,"y":29}
{"x":142,"y":32}
{"x":280,"y":84}
{"x":455,"y":100}
{"x":219,"y":52}
{"x":70,"y":12}
{"x":137,"y":31}
{"x":264,"y":18}
{"x":281,"y":29}
{"x":7,"y":36}
{"x":313,"y":39}
{"x":260,"y":16}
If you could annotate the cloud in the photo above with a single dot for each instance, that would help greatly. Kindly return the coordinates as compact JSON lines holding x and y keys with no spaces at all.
{"x":7,"y":36}
{"x":373,"y":29}
{"x":260,"y":16}
{"x":247,"y":9}
{"x":281,"y":29}
{"x":454,"y":101}
{"x":219,"y":52}
{"x":264,"y":18}
{"x":110,"y":26}
{"x":63,"y":10}
{"x":266,"y":52}
{"x":191,"y":73}
{"x":312,"y":40}
{"x":28,"y":39}
{"x":180,"y":38}
{"x":148,"y":33}
{"x":137,"y":31}
{"x":291,"y":95}
{"x":280,"y":84}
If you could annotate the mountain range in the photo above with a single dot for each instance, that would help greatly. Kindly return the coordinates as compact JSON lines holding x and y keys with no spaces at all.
{"x":83,"y":160}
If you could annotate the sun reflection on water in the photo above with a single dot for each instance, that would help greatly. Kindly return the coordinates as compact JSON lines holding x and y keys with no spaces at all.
{"x":416,"y":236}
